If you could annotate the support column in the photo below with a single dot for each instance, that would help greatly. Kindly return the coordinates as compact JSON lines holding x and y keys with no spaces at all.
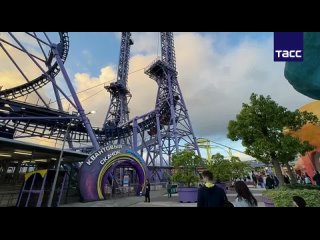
{"x":76,"y":99}
{"x":135,"y":135}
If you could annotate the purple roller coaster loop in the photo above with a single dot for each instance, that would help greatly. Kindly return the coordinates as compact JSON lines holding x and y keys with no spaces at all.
{"x":22,"y":73}
{"x":43,"y":71}
{"x":39,"y":118}
{"x":76,"y":104}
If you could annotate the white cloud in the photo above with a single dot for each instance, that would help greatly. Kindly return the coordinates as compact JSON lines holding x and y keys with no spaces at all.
{"x":146,"y":43}
{"x":215,"y":85}
{"x":9,"y":74}
{"x":97,"y":98}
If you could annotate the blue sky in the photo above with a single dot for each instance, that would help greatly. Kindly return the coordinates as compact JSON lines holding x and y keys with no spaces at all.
{"x":90,"y":51}
{"x":217,"y":73}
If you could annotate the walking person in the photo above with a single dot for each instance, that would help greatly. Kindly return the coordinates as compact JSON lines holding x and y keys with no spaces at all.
{"x":269,"y":182}
{"x":316,"y":178}
{"x":147,"y":195}
{"x":211,"y":195}
{"x":276,"y":181}
{"x":307,"y":179}
{"x":254,"y":178}
{"x":244,"y":197}
{"x":260,"y":181}
{"x":286,"y":179}
{"x":169,"y":185}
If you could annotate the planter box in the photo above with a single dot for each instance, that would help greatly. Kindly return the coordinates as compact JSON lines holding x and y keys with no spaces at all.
{"x":188,"y":195}
{"x":268,"y":202}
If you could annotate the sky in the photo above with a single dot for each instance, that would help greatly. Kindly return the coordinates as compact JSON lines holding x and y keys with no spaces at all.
{"x":217,"y":72}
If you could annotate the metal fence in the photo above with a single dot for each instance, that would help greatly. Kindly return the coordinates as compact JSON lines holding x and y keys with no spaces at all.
{"x":9,"y":199}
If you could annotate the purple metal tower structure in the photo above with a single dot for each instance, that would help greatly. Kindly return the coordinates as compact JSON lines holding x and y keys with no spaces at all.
{"x":118,"y":112}
{"x":168,"y":128}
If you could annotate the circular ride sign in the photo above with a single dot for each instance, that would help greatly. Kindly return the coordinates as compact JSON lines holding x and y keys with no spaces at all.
{"x":101,"y":164}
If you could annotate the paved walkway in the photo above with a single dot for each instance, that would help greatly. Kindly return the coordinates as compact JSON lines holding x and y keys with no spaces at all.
{"x":119,"y":202}
{"x":164,"y":201}
{"x":158,"y":199}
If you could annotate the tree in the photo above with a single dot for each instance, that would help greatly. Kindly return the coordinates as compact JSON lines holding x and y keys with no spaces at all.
{"x":290,"y":147}
{"x":220,"y":168}
{"x":260,"y":125}
{"x":225,"y":169}
{"x":239,"y":168}
{"x":185,"y":165}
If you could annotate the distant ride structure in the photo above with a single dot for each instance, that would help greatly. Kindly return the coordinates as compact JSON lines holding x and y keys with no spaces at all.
{"x":153,"y":136}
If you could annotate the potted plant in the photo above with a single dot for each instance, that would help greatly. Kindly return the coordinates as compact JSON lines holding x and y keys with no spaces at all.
{"x":221,"y":170}
{"x":185,"y":165}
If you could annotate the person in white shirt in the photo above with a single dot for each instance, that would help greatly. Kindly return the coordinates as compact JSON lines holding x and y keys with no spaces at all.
{"x":245,"y":197}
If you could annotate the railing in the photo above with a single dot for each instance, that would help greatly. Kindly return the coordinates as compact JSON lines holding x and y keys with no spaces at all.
{"x":131,"y":190}
{"x":9,"y":199}
{"x":158,"y":186}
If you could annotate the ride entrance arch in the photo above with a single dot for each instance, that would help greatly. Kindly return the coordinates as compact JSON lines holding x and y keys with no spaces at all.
{"x":114,"y":167}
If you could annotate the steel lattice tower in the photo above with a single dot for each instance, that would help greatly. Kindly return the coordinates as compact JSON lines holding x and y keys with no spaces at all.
{"x":172,"y":131}
{"x":118,"y":112}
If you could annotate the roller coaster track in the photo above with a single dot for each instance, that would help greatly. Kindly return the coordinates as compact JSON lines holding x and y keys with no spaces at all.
{"x":42,"y":80}
{"x":32,"y":120}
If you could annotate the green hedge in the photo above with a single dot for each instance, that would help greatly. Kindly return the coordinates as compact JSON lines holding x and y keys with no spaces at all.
{"x":282,"y":197}
{"x":302,"y":186}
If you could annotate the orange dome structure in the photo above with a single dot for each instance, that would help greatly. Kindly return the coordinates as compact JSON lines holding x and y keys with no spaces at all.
{"x":311,"y":133}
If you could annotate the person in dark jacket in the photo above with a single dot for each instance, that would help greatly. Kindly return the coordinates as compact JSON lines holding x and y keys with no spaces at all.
{"x":316,"y":178}
{"x":210,"y":195}
{"x":276,"y":181}
{"x":147,"y":195}
{"x":286,"y":179}
{"x":169,"y":185}
{"x":269,"y":182}
{"x":254,"y":178}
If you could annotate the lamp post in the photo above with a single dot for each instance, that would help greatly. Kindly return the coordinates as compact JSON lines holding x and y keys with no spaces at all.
{"x":59,"y":162}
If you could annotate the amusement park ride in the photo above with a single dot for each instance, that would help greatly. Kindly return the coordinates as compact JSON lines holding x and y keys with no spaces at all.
{"x":155,"y":136}
{"x":208,"y":145}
